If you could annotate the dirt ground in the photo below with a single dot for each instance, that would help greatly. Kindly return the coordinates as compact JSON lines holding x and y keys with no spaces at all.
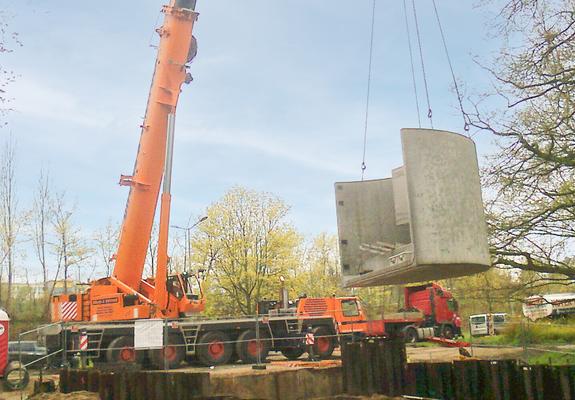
{"x":448,"y":354}
{"x":279,"y":363}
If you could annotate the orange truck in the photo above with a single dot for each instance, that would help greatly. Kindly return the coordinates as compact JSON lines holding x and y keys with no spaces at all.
{"x":429,"y":311}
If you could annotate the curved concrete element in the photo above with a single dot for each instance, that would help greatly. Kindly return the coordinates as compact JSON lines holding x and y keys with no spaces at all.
{"x":426,"y":222}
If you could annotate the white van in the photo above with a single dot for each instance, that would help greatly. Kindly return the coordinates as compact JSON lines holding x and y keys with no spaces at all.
{"x":487,"y":324}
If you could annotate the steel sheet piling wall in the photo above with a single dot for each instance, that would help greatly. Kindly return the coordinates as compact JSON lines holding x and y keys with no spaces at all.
{"x":379,"y":367}
{"x":374,"y":366}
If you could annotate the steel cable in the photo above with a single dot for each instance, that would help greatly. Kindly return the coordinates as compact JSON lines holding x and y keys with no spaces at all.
{"x":363,"y":165}
{"x":455,"y":85}
{"x":412,"y":64}
{"x":429,"y":111}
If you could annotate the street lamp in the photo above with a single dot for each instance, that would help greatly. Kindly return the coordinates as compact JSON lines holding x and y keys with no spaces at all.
{"x":187,"y":253}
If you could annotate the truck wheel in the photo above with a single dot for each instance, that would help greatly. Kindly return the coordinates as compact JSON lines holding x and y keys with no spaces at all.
{"x":324,"y":342}
{"x":121,"y":350}
{"x":214,"y":348}
{"x":16,"y":376}
{"x":247,"y":347}
{"x":292,"y":353}
{"x":410,"y":335}
{"x":170,"y":356}
{"x":448,"y":332}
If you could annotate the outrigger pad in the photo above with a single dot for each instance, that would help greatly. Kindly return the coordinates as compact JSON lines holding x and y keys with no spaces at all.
{"x":424,"y":223}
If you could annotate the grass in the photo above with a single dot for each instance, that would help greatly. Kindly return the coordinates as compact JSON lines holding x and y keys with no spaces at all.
{"x":549,"y":358}
{"x":540,"y":333}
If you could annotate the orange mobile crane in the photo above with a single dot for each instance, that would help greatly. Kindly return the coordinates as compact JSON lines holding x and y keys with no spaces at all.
{"x":108,"y":311}
{"x":125,"y":295}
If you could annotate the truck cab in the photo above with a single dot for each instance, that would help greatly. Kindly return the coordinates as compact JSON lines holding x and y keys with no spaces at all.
{"x":347,"y":312}
{"x":439,"y":308}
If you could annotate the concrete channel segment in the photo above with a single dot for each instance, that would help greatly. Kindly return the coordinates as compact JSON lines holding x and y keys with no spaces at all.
{"x":426,"y":222}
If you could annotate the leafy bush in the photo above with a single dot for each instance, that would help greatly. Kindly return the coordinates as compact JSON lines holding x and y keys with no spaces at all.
{"x":540,"y":333}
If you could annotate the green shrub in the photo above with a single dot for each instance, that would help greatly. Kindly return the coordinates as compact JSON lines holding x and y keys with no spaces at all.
{"x":540,"y":333}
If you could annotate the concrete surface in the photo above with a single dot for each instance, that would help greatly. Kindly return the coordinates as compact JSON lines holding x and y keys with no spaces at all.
{"x":425,"y":223}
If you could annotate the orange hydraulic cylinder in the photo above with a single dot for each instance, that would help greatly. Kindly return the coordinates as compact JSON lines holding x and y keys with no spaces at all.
{"x":170,"y":74}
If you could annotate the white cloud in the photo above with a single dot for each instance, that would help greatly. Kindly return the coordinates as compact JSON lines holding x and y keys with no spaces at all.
{"x":308,"y":155}
{"x":36,"y":99}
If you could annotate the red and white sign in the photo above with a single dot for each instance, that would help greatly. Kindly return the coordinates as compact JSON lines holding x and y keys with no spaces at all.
{"x":68,"y":310}
{"x":309,"y":339}
{"x":84,"y":341}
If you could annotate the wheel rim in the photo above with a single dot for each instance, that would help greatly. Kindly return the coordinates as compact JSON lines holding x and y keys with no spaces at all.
{"x":254,"y":348}
{"x":323,"y":344}
{"x":127,"y":354}
{"x":216,"y":349}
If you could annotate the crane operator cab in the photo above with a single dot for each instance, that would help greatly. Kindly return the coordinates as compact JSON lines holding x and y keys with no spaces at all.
{"x":186,"y":288}
{"x":184,"y":295}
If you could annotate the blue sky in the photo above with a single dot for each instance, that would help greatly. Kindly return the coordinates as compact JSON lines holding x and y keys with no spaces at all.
{"x":277,"y":103}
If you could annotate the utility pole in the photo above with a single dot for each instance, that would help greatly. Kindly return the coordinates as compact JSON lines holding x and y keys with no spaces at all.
{"x":188,"y":237}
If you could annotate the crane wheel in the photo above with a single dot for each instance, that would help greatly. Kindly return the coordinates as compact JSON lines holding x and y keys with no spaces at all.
{"x":172,"y":355}
{"x":121,"y":350}
{"x":248,"y":349}
{"x":16,"y":376}
{"x":214,"y":348}
{"x":324,"y":342}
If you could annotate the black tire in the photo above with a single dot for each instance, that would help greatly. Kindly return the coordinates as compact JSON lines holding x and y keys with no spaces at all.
{"x":324,"y":342}
{"x":16,"y":376}
{"x":448,"y":332}
{"x":214,"y":348}
{"x":292,"y":353}
{"x":170,"y":356}
{"x":247,"y":347}
{"x":121,"y":351}
{"x":410,"y":335}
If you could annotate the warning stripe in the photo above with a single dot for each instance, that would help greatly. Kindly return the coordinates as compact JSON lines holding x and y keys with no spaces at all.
{"x":68,"y":310}
{"x":84,"y":342}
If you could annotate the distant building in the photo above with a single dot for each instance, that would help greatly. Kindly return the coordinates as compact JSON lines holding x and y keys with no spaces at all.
{"x":36,"y":290}
{"x":61,"y":286}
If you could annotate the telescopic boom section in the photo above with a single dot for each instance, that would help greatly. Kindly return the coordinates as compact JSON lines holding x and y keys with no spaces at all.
{"x":175,"y":50}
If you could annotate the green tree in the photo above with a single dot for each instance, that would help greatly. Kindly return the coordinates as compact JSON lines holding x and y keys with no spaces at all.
{"x":246,"y":244}
{"x":531,"y":179}
{"x":317,"y":275}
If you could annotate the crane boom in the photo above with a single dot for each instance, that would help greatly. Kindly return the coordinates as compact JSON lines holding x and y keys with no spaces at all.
{"x":125,"y":295}
{"x":176,"y":48}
